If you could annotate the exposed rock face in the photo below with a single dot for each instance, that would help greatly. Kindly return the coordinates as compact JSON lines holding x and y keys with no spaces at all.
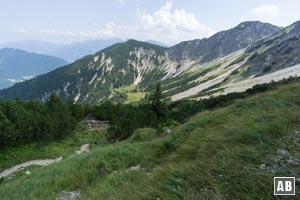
{"x":222,"y":43}
{"x":277,"y":52}
{"x":93,"y":78}
{"x":142,"y":60}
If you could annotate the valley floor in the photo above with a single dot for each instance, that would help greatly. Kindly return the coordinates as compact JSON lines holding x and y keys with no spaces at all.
{"x":226,"y":153}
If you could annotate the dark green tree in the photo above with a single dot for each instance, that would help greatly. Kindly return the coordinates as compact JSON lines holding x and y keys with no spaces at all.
{"x":77,"y":110}
{"x":6,"y":135}
{"x":58,"y":110}
{"x":158,"y":104}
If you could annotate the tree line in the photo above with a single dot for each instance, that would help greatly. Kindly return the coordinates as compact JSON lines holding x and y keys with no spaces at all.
{"x":28,"y":121}
{"x":125,"y":118}
{"x":155,"y":112}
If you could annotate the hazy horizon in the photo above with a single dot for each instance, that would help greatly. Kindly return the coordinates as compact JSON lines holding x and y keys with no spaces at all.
{"x":165,"y":21}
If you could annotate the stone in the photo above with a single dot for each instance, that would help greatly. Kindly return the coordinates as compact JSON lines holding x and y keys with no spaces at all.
{"x":291,"y":162}
{"x":95,"y":124}
{"x":262,"y":166}
{"x":68,"y":195}
{"x":168,"y":131}
{"x":85,"y":148}
{"x":135,"y":168}
{"x":282,"y":152}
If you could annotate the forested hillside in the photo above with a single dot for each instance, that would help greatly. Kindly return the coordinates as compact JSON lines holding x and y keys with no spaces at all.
{"x":24,"y":122}
{"x":17,"y":65}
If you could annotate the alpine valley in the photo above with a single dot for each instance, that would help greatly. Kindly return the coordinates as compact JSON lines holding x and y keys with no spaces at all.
{"x":230,"y":61}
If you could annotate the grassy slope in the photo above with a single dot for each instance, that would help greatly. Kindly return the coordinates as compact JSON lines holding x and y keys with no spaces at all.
{"x":44,"y":150}
{"x":132,"y":93}
{"x":135,"y":97}
{"x":217,"y":154}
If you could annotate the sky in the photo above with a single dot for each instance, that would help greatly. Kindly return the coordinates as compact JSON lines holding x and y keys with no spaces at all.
{"x":167,"y":21}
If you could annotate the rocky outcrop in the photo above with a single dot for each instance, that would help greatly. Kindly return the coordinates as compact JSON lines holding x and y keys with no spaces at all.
{"x":223,"y":43}
{"x":274,"y":53}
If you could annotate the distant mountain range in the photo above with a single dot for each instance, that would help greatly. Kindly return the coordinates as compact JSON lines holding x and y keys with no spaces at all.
{"x":17,"y":65}
{"x":69,"y":52}
{"x":157,"y":43}
{"x":229,"y":61}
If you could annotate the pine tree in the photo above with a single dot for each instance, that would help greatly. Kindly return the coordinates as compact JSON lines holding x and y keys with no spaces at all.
{"x":158,"y":105}
{"x":64,"y":122}
{"x":76,"y":110}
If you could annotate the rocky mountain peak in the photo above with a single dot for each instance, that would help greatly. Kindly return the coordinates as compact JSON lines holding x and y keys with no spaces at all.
{"x":224,"y":42}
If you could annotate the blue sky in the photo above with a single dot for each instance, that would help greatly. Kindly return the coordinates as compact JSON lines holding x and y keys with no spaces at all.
{"x":65,"y":21}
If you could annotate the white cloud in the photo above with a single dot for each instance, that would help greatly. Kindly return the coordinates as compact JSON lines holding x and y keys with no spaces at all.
{"x":106,"y":31}
{"x":166,"y":24}
{"x":57,"y":32}
{"x":27,"y":77}
{"x":24,"y":78}
{"x":171,"y":25}
{"x":266,"y":12}
{"x":13,"y":80}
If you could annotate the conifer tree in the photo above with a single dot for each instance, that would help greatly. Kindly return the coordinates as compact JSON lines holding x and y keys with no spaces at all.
{"x":157,"y":103}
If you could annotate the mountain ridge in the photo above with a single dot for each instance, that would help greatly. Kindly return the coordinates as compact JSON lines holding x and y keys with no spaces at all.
{"x":133,"y":67}
{"x":18,"y":65}
{"x":69,"y":52}
{"x":222,"y":43}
